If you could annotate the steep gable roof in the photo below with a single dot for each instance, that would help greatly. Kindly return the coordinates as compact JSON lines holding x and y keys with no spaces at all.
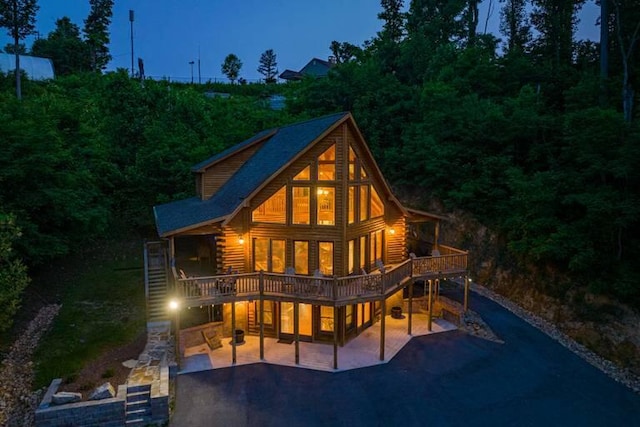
{"x":281,"y":145}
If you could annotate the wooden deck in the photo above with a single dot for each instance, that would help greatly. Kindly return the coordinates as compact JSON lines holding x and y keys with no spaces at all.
{"x":333,"y":291}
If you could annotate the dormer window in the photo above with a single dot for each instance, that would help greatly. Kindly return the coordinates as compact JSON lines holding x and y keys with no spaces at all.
{"x":327,"y":165}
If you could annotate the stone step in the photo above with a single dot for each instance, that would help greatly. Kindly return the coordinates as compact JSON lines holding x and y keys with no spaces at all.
{"x":138,"y":399}
{"x":138,"y":413}
{"x":138,"y":388}
{"x":143,"y":403}
{"x":138,"y":422}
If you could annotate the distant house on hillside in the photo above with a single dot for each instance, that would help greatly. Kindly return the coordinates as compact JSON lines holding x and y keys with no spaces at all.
{"x":315,"y":68}
{"x":36,"y":68}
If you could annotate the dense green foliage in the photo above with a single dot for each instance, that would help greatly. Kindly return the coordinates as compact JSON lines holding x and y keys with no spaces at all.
{"x":13,"y":273}
{"x":87,"y":151}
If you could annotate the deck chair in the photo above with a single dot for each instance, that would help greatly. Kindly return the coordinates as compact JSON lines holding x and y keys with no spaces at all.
{"x":380,"y":265}
{"x":435,"y":252}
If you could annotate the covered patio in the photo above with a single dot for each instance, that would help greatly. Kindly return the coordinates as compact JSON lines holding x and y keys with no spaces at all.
{"x":362,"y":351}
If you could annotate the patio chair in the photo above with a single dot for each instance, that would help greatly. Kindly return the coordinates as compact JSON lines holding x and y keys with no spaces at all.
{"x":380,"y":265}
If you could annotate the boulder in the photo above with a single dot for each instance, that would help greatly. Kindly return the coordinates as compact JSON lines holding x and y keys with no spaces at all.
{"x":62,"y":397}
{"x":105,"y":391}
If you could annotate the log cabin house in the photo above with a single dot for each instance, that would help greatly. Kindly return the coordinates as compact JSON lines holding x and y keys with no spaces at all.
{"x":295,"y":234}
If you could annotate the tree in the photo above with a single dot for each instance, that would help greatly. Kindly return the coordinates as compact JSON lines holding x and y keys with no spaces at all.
{"x":13,"y":273}
{"x":19,"y":17}
{"x":231,"y":67}
{"x":344,"y":52}
{"x":515,"y":25}
{"x":11,"y":48}
{"x":393,"y":27}
{"x":268,"y":66}
{"x":96,"y":32}
{"x":70,"y":54}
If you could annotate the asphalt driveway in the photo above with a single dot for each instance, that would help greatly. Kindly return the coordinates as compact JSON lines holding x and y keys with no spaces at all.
{"x":446,"y":379}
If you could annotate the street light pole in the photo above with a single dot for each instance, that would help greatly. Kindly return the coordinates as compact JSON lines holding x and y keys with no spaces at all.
{"x":131,"y":21}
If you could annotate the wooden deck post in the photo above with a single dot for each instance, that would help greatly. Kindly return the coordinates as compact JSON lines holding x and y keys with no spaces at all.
{"x":296,"y":329}
{"x":382,"y":319}
{"x":410,"y":306}
{"x":233,"y":332}
{"x":335,"y":337}
{"x":261,"y":287}
{"x":466,"y":292}
{"x":430,"y":306}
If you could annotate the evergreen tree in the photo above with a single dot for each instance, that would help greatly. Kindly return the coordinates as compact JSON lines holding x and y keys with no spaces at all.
{"x":19,"y":18}
{"x":96,"y":33}
{"x":70,"y":54}
{"x":268,"y":66}
{"x":514,"y":25}
{"x":231,"y":67}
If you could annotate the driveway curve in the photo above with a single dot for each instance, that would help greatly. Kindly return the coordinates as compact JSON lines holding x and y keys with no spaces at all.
{"x":446,"y":379}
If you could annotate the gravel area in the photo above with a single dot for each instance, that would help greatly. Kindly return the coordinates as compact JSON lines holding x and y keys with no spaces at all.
{"x":17,"y":400}
{"x":620,"y":375}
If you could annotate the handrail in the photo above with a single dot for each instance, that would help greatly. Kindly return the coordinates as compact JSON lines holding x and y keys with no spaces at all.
{"x":321,"y":289}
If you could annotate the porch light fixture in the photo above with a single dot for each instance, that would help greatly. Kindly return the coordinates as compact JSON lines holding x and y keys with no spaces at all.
{"x":392,"y":231}
{"x":241,"y":240}
{"x":173,"y":305}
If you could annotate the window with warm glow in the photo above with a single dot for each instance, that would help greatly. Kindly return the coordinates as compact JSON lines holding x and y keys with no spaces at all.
{"x":352,"y":164}
{"x":364,"y":199}
{"x":348,"y":320}
{"x":352,"y":204}
{"x":269,"y":255}
{"x":363,"y":173}
{"x":260,"y":254}
{"x":326,"y":206}
{"x":363,"y":251}
{"x":326,"y":318}
{"x":377,"y":207}
{"x":301,"y":205}
{"x":325,"y":258}
{"x":376,"y":246}
{"x":352,"y":256}
{"x":327,"y":165}
{"x":268,"y":312}
{"x":303,"y":175}
{"x":301,"y":257}
{"x":277,"y":256}
{"x":273,"y":210}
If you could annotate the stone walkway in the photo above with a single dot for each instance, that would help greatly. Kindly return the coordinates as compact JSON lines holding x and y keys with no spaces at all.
{"x":158,"y":352}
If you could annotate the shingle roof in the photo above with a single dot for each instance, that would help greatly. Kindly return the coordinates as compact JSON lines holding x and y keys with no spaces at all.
{"x":278,"y":150}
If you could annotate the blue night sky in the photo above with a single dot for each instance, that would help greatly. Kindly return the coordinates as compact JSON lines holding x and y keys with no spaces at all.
{"x":169,"y":34}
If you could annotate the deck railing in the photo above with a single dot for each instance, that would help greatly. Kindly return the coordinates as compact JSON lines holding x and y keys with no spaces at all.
{"x":231,"y":287}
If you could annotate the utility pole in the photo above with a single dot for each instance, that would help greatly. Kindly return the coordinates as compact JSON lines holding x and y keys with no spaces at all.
{"x":131,"y":22}
{"x":199,"y":79}
{"x":191,"y":63}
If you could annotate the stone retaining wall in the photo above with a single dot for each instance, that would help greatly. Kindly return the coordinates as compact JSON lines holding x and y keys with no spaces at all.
{"x":94,"y":413}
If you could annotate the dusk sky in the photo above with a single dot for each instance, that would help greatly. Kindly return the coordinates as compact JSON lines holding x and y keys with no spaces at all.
{"x":170,"y":34}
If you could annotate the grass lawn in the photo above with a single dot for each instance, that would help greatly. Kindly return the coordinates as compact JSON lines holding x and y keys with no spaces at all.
{"x":103,"y":307}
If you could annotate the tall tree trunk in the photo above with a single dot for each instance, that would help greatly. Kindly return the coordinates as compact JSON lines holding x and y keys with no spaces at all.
{"x":18,"y":75}
{"x":604,"y":51}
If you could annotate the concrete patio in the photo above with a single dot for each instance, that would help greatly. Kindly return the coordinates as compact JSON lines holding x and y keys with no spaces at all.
{"x":360,"y":352}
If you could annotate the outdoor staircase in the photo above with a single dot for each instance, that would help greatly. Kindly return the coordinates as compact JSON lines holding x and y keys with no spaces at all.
{"x":156,"y":280}
{"x":138,"y":406}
